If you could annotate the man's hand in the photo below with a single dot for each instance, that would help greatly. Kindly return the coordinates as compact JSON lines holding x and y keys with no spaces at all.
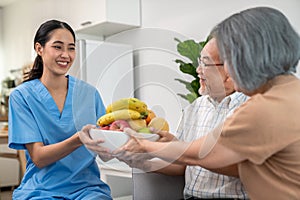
{"x":135,"y":160}
{"x":164,"y":136}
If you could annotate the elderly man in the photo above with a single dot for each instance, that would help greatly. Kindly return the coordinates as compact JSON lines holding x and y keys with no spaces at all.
{"x":219,"y":99}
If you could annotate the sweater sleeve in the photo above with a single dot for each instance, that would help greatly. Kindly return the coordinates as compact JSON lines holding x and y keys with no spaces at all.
{"x":255,"y":131}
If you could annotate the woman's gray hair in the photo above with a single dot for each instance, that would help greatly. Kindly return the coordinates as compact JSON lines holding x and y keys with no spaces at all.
{"x":257,"y":44}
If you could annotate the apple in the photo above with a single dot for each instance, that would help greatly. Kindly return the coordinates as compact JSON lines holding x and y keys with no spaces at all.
{"x":144,"y":130}
{"x":104,"y":127}
{"x":119,"y":125}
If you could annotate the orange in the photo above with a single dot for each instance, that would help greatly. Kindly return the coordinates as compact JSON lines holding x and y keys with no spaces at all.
{"x":150,"y":116}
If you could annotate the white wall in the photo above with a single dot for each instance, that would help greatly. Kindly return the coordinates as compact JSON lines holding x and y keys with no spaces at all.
{"x":194,"y":18}
{"x":17,"y":35}
{"x":155,"y":49}
{"x":21,"y":19}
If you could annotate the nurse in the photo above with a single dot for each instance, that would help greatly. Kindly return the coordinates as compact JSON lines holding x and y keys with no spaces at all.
{"x":46,"y":114}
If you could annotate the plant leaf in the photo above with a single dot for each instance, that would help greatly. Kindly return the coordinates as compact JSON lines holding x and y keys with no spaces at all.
{"x":182,"y":81}
{"x":177,"y":40}
{"x":191,"y":97}
{"x":178,"y":61}
{"x":188,"y":68}
{"x":195,"y":85}
{"x":183,"y":96}
{"x":187,"y":84}
{"x":190,"y":49}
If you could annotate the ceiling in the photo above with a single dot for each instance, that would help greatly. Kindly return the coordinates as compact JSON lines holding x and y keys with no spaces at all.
{"x":5,"y":2}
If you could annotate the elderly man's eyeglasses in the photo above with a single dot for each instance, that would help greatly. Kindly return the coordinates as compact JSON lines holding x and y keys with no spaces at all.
{"x":202,"y":64}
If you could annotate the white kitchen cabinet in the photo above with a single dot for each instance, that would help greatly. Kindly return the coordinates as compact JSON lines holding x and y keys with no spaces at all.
{"x":104,"y":17}
{"x":94,"y":17}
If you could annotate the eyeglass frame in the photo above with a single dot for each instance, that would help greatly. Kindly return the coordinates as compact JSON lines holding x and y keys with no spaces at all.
{"x":202,"y":64}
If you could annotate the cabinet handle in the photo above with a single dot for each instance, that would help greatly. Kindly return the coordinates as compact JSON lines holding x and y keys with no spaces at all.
{"x":86,"y":23}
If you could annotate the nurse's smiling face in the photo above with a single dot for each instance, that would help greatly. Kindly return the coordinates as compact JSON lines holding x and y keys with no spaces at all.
{"x":58,"y":53}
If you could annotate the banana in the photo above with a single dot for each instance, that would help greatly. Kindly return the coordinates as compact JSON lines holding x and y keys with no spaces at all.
{"x":124,"y":114}
{"x":128,"y":103}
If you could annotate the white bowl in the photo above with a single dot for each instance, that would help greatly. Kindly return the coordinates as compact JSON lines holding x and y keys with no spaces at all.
{"x":115,"y":139}
{"x":148,"y":136}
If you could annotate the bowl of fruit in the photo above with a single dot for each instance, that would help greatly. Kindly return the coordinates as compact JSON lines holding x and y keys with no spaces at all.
{"x":127,"y":113}
{"x":112,"y":139}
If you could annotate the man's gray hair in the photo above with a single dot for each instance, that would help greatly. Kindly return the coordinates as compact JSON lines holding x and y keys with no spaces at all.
{"x":257,"y":44}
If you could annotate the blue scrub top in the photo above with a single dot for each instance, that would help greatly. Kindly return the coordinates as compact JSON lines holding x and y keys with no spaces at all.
{"x":34,"y":117}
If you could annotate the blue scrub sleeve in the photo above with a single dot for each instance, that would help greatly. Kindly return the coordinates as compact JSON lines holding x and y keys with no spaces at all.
{"x":22,"y":125}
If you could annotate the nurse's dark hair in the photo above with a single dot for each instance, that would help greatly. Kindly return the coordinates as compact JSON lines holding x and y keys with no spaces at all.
{"x":257,"y":44}
{"x":42,"y":36}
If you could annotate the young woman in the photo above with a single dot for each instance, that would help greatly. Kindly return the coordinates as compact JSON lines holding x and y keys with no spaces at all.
{"x":46,"y":114}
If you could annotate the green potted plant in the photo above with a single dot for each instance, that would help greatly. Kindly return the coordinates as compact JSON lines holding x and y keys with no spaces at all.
{"x":191,"y":50}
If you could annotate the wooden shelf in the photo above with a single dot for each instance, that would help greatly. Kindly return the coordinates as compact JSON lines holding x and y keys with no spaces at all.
{"x":3,"y":118}
{"x":3,"y":113}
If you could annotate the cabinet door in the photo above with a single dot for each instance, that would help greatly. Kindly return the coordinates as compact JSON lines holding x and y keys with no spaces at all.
{"x":83,"y":13}
{"x":104,"y":17}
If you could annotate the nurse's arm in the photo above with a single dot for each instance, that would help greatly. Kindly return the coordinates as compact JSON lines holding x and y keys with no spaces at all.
{"x":42,"y":155}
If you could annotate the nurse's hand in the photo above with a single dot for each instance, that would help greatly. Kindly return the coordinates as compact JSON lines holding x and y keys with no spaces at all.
{"x":93,"y":145}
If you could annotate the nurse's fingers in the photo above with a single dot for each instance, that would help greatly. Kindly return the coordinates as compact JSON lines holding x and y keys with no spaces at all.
{"x":87,"y":128}
{"x":99,"y":149}
{"x":85,"y":138}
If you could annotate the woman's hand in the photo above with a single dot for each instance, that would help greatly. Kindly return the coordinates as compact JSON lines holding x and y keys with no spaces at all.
{"x":93,"y":145}
{"x":137,"y":145}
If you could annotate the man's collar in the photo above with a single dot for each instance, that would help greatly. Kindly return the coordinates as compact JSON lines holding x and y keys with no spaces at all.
{"x":226,"y":101}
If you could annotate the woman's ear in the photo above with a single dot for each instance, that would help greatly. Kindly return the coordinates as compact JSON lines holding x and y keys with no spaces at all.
{"x":38,"y":48}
